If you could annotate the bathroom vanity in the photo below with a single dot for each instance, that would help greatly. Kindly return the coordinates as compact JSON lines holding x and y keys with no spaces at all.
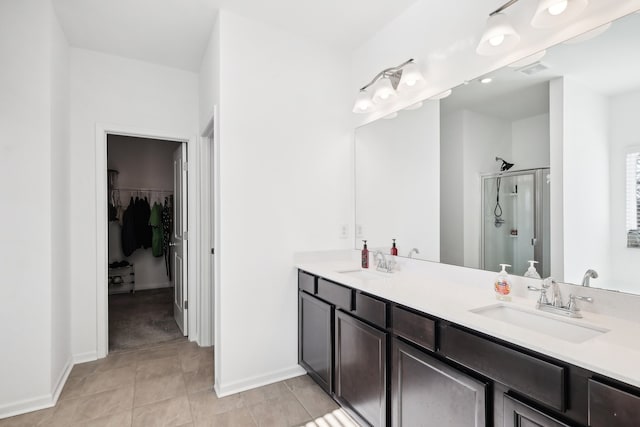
{"x":393,"y":349}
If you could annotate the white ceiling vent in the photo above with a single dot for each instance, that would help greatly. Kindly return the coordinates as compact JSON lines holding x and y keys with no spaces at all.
{"x":532,"y":69}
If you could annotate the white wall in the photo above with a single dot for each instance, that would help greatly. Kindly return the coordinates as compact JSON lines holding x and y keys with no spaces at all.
{"x":397,"y":174}
{"x":625,"y":132}
{"x":143,"y":163}
{"x":209,"y":77}
{"x":107,"y":89}
{"x":285,"y":157}
{"x":586,"y":184}
{"x":34,"y":188}
{"x":451,"y":189}
{"x":60,"y":202}
{"x":530,"y":142}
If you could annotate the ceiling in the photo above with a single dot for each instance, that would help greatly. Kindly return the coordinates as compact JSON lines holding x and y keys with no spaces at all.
{"x":175,"y":32}
{"x":609,"y":64}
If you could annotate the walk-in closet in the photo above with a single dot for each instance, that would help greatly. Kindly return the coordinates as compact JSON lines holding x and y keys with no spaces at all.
{"x":141,"y":179}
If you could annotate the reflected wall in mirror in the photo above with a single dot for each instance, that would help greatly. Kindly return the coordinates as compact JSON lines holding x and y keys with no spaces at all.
{"x":566,"y":122}
{"x":397,"y":183}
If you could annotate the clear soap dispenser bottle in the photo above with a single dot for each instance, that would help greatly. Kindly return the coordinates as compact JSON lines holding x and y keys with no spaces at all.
{"x":531,"y":271}
{"x":502,"y":284}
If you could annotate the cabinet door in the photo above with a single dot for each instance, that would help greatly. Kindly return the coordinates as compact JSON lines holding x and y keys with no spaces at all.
{"x":315,"y":345}
{"x":426,"y":392}
{"x":518,"y":414}
{"x":360,"y":368}
{"x":611,"y":407}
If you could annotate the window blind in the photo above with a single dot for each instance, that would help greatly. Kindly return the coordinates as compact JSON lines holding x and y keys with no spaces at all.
{"x":633,"y":199}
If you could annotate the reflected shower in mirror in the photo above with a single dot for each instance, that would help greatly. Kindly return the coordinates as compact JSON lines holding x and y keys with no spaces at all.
{"x":533,"y":165}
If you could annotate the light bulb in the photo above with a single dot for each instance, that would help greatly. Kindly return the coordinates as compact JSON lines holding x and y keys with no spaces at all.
{"x":558,"y":8}
{"x":497,"y":40}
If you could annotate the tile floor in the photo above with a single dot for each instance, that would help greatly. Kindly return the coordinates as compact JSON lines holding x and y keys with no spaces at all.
{"x":171,"y":385}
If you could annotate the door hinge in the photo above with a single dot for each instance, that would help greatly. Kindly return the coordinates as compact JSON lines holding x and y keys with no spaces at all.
{"x":186,"y":305}
{"x":185,"y":166}
{"x":185,"y":235}
{"x":213,"y":251}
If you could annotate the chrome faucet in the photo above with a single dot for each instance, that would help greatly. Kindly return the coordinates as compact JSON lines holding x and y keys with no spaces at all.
{"x":412,"y":251}
{"x":555,"y":305}
{"x":383,"y":264}
{"x":589,"y":274}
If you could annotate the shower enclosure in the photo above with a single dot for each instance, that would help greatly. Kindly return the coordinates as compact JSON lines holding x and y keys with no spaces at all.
{"x":515,"y":221}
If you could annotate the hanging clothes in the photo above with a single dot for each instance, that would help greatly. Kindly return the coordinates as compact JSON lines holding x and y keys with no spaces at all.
{"x":167,"y":222}
{"x":129,"y":241}
{"x":157,"y":235}
{"x":141,"y":218}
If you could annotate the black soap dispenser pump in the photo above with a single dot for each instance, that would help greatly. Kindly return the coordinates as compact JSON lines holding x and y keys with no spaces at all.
{"x":365,"y":255}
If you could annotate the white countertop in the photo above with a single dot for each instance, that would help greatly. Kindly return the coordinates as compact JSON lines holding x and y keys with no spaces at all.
{"x":615,"y":354}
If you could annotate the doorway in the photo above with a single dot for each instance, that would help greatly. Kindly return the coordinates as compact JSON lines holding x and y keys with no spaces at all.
{"x":147,"y":252}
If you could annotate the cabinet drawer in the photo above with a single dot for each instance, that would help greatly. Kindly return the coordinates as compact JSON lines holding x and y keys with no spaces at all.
{"x":370,"y":309}
{"x":611,"y":407}
{"x":334,"y":293}
{"x":517,"y":414}
{"x":414,"y":327}
{"x":306,"y":282}
{"x":533,"y":377}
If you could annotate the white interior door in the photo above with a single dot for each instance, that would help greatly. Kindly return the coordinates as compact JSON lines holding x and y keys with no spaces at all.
{"x":179,"y":239}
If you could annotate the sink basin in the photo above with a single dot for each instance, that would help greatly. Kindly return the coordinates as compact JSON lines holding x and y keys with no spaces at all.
{"x":540,"y":322}
{"x":364,"y":274}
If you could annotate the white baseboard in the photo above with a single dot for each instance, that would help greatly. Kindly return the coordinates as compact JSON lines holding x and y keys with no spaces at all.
{"x":223,"y":390}
{"x":62,"y":380}
{"x":26,"y":405}
{"x":42,"y":402}
{"x":89,"y":356}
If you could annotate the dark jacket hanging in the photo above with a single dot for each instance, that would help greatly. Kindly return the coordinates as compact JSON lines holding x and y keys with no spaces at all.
{"x":141,"y":219}
{"x":129,"y":243}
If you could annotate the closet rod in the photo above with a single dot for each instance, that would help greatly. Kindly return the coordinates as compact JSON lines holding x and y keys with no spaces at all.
{"x":148,"y":190}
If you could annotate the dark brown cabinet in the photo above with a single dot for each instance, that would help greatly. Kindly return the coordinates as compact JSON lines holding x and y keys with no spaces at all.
{"x":361,"y":368}
{"x":388,"y":364}
{"x":426,"y":392}
{"x":611,"y":407}
{"x":517,"y":414}
{"x":315,"y":335}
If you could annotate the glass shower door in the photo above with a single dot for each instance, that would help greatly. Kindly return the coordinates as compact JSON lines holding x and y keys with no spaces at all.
{"x":508,"y":221}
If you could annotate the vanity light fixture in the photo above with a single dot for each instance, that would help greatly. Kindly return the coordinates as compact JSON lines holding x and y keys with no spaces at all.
{"x":551,"y":13}
{"x":500,"y":36}
{"x":486,"y":80}
{"x":382,"y":88}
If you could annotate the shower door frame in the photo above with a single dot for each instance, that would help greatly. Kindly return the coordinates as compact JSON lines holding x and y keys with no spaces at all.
{"x":538,"y":239}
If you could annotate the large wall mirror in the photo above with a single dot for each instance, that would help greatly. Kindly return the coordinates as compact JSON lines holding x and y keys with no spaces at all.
{"x":537,"y":161}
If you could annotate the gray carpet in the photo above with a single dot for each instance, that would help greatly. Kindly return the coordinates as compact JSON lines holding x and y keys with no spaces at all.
{"x":140,"y":319}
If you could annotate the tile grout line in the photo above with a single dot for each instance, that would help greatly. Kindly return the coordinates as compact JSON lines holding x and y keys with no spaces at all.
{"x":186,"y":390}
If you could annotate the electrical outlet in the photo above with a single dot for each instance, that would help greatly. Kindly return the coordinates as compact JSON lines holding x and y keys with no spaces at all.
{"x":344,"y":231}
{"x":358,"y":231}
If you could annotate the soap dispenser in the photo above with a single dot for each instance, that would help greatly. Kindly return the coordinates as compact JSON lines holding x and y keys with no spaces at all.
{"x":531,"y":271}
{"x":394,"y":250}
{"x":502,"y":284}
{"x":365,"y":255}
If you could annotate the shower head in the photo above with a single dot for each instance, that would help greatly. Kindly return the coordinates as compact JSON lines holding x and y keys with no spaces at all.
{"x":505,"y":165}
